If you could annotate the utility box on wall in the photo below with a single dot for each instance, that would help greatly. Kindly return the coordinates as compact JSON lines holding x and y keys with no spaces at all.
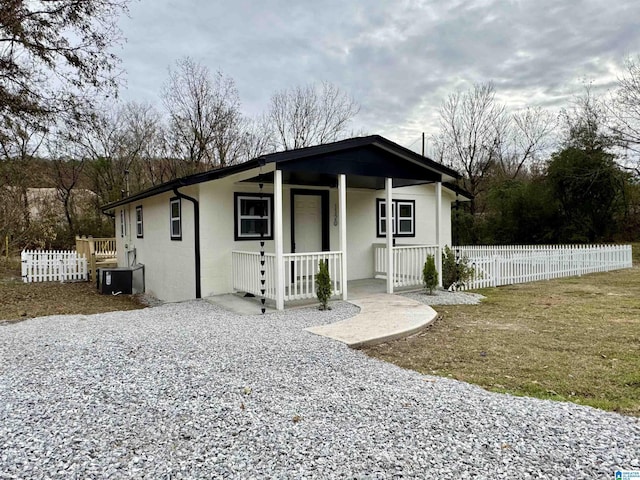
{"x":121,"y":280}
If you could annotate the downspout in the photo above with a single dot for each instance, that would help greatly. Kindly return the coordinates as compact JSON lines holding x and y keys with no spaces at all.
{"x":196,"y":233}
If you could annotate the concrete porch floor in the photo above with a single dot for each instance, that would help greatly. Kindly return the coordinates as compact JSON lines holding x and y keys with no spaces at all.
{"x":383,"y":317}
{"x":242,"y":305}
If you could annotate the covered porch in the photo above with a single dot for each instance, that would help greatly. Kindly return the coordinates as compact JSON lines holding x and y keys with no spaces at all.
{"x":371,"y":164}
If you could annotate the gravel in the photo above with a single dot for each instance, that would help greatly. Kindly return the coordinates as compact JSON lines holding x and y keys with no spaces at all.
{"x":444,"y":297}
{"x":191,"y":391}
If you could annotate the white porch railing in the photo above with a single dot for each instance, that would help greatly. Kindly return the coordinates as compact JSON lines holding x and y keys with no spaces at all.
{"x":300,"y":270}
{"x":247,"y":276}
{"x":53,"y":266}
{"x":507,"y":265}
{"x":408,"y":262}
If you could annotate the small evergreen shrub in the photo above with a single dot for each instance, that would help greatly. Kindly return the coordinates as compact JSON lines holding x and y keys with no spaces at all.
{"x":430,"y":274}
{"x":324,"y":288}
{"x":455,"y":273}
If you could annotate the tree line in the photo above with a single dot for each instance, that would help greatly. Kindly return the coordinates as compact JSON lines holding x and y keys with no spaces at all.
{"x":68,"y":145}
{"x":544,"y":178}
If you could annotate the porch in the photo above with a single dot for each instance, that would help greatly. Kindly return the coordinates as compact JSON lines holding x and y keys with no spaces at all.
{"x":254,"y":272}
{"x":346,"y":204}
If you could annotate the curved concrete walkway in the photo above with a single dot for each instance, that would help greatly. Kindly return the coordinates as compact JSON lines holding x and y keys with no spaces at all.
{"x":383,"y":317}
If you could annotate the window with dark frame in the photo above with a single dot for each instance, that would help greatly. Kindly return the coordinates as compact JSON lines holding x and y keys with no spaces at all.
{"x":139,"y":226}
{"x":123,"y":224}
{"x":403,"y":218}
{"x":253,"y":216}
{"x":175,"y":219}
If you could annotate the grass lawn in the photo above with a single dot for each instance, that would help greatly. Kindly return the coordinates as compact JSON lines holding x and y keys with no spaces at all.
{"x":575,"y":339}
{"x":19,"y":301}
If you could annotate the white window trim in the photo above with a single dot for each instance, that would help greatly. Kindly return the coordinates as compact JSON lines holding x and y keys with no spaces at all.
{"x":139,"y":222}
{"x":173,"y":219}
{"x":383,"y":232}
{"x":123,"y":224}
{"x":395,"y":218}
{"x":412,"y":217}
{"x":239,"y":217}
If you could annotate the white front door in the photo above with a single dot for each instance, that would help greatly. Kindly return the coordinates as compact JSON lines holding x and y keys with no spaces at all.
{"x":307,"y":223}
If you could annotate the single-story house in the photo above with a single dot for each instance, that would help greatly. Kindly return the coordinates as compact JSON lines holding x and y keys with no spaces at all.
{"x":262,"y":226}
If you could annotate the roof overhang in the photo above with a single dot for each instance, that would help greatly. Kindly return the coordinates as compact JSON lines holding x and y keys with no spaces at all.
{"x":366,"y":161}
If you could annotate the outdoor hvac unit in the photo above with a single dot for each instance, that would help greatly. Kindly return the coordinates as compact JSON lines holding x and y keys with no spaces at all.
{"x":121,"y":280}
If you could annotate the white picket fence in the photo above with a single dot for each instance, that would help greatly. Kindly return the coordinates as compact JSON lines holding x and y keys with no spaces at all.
{"x":506,"y":265}
{"x":53,"y":266}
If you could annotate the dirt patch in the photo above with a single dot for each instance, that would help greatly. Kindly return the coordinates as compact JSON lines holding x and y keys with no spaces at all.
{"x":20,"y":301}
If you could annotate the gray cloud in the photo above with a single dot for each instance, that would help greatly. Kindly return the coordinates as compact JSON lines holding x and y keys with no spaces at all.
{"x":399,"y":59}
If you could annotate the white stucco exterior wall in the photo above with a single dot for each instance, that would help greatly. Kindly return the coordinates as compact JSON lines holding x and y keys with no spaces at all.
{"x":170,"y":264}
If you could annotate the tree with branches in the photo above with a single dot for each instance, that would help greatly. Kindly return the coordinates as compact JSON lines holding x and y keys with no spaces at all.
{"x":479,"y":137}
{"x":53,"y":53}
{"x":310,"y":115}
{"x":624,"y":111}
{"x":204,"y":116}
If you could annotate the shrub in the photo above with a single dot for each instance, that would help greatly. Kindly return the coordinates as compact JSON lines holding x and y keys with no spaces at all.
{"x":430,"y":274}
{"x":324,"y":288}
{"x":454,"y":272}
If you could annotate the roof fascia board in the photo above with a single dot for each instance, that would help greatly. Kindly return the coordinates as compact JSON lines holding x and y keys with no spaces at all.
{"x":247,"y":174}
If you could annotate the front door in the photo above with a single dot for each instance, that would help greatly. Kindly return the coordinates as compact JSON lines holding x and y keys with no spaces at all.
{"x":309,"y":221}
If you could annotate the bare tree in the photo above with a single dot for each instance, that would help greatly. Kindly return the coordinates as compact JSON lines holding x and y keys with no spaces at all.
{"x":586,"y":123}
{"x":624,"y":110}
{"x":530,"y":137}
{"x":67,"y":169}
{"x":53,"y":52}
{"x":117,"y":143}
{"x":257,"y":138}
{"x":19,"y":145}
{"x":478,"y":136}
{"x":204,"y":116}
{"x":310,"y":115}
{"x":473,"y":129}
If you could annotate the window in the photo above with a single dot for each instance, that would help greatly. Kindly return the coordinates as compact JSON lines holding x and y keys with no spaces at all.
{"x":123,"y":224}
{"x":404,"y":223}
{"x":253,"y":216}
{"x":382,"y":218}
{"x":139,"y":229}
{"x":402,"y":218}
{"x":176,"y":219}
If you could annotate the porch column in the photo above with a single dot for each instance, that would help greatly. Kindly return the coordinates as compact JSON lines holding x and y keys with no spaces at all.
{"x":390,"y":219}
{"x":342,"y":202}
{"x":277,"y":237}
{"x":438,"y":231}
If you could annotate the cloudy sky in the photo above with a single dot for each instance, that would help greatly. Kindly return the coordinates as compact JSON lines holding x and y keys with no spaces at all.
{"x":399,"y":59}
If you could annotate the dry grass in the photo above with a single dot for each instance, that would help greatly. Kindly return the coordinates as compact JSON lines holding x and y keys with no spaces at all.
{"x":574,"y":339}
{"x":19,"y":301}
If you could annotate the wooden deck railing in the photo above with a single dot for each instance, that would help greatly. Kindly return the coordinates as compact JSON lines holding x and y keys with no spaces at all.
{"x":99,"y":252}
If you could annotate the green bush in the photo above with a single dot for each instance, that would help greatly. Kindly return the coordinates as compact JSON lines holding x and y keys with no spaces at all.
{"x":455,"y":272}
{"x":324,"y":288}
{"x":430,"y":274}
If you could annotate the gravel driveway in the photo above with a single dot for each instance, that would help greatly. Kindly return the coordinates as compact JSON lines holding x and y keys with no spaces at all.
{"x":191,"y":391}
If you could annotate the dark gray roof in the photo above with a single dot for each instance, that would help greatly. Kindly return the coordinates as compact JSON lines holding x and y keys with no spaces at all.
{"x":336,"y":151}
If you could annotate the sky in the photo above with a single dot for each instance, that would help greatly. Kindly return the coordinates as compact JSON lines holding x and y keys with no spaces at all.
{"x":399,"y":59}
